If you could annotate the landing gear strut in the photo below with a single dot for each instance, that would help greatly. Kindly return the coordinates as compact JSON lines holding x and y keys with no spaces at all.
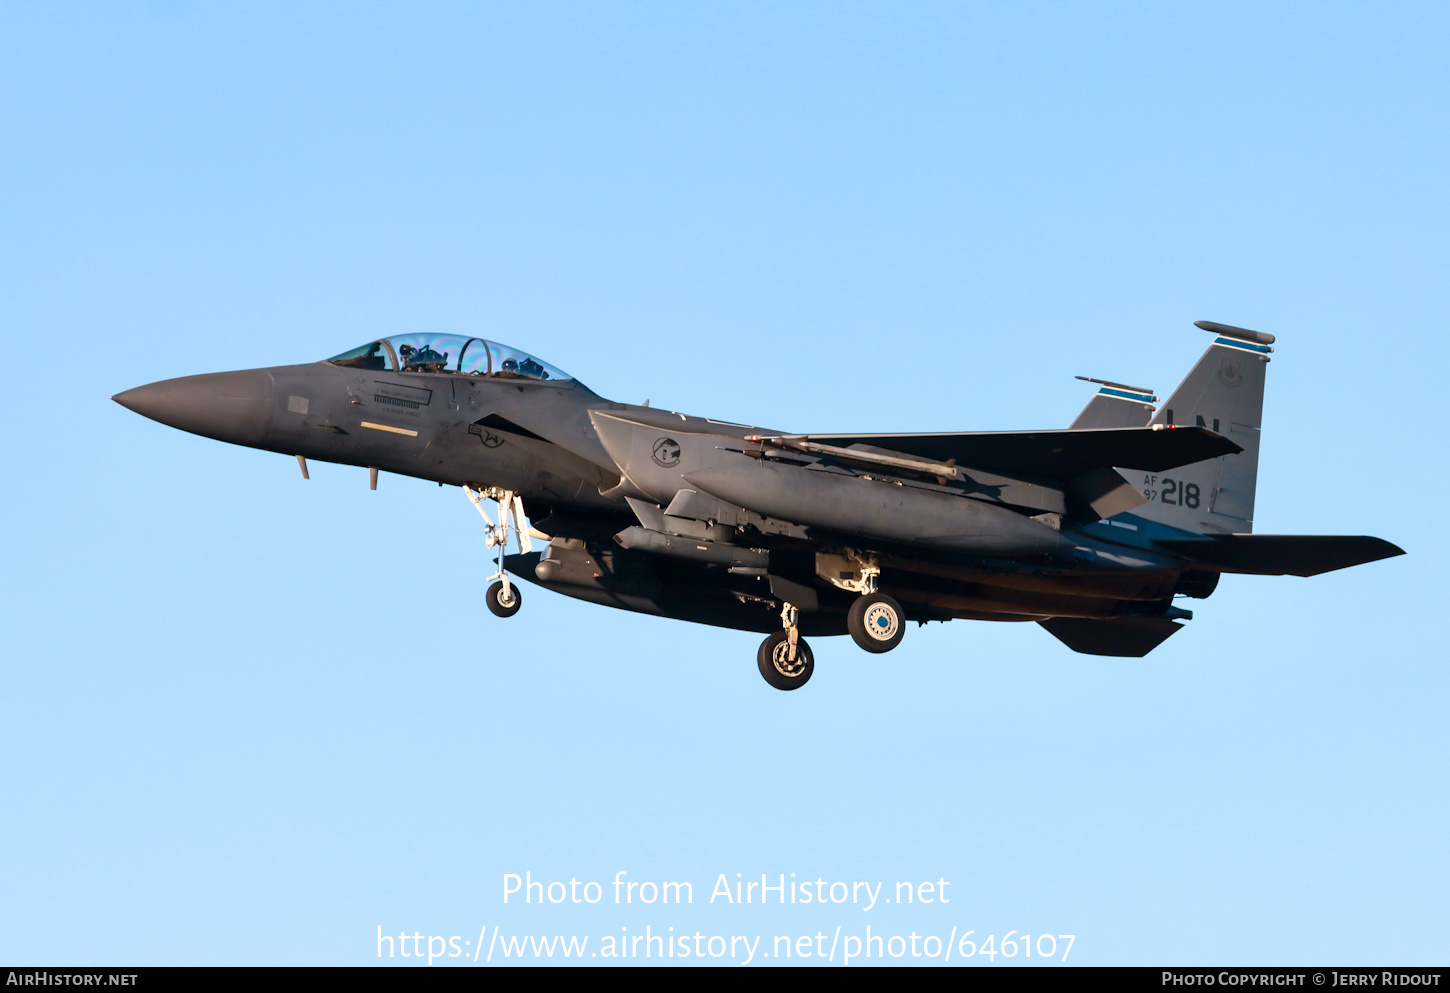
{"x":785,"y":660}
{"x":503,"y":598}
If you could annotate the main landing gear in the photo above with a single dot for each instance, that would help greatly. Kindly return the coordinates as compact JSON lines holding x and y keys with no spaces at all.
{"x":876,"y":622}
{"x":784,"y":658}
{"x":503,"y":598}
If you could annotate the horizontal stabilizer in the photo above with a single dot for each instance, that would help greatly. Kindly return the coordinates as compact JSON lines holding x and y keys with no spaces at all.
{"x":1283,"y":554}
{"x":1123,"y":637}
{"x":1051,"y":454}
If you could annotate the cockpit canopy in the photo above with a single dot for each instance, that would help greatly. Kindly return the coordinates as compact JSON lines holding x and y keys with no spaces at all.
{"x":453,"y":353}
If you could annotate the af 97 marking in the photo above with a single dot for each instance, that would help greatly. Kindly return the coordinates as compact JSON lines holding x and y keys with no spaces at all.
{"x":1174,"y":492}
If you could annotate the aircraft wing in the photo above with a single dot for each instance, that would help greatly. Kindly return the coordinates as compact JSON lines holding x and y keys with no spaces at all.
{"x":1051,"y":454}
{"x":1283,"y":554}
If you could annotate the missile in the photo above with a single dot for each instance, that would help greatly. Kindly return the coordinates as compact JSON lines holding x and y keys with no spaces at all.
{"x":878,"y":509}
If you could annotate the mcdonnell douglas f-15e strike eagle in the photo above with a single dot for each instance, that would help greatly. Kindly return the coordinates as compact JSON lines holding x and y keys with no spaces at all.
{"x":1092,"y":531}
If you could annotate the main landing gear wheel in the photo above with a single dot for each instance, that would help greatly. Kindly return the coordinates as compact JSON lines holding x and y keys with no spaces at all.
{"x":876,"y":622}
{"x":776,"y":665}
{"x":501,"y":604}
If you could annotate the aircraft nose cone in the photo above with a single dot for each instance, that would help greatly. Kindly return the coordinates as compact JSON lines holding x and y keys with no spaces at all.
{"x":227,"y":406}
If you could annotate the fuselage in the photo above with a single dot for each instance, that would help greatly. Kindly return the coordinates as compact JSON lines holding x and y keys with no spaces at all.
{"x":536,"y":437}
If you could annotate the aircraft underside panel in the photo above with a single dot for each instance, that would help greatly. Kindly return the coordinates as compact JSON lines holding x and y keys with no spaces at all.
{"x":699,"y":602}
{"x":713,"y":595}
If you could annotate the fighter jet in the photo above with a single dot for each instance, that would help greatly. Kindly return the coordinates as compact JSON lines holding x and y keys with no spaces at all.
{"x":1094,"y":532}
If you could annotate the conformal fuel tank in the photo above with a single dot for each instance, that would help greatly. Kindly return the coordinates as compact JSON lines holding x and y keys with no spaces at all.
{"x":877,"y":509}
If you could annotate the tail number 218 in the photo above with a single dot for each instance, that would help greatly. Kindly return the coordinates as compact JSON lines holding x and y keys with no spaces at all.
{"x":1175,"y":492}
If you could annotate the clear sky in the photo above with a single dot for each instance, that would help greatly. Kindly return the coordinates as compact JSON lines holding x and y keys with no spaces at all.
{"x":248,"y":719}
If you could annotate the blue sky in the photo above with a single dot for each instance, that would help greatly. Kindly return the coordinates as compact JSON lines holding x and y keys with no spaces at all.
{"x":247,"y":719}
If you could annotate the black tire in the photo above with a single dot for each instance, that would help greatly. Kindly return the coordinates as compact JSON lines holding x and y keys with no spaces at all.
{"x":497,"y":606}
{"x":776,"y":667}
{"x":876,"y":622}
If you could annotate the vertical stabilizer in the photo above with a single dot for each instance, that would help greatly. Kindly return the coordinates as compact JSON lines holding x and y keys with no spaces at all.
{"x":1225,"y":393}
{"x":1115,"y":406}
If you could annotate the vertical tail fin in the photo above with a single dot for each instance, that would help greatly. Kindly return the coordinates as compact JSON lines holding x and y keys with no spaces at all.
{"x":1223,"y":392}
{"x":1115,"y":406}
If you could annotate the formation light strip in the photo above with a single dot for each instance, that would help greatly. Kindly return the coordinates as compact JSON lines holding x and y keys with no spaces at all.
{"x":1125,"y":395}
{"x":390,"y":430}
{"x":1247,"y":346}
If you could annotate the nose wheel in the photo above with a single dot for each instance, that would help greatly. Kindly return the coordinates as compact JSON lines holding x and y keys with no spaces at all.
{"x":504,"y":601}
{"x":876,"y":622}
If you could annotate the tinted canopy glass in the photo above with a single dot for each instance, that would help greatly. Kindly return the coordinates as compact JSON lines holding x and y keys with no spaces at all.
{"x":429,"y":352}
{"x":435,"y":353}
{"x":373,"y":355}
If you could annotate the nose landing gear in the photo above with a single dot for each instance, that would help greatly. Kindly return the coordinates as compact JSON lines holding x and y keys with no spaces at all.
{"x":503,"y":598}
